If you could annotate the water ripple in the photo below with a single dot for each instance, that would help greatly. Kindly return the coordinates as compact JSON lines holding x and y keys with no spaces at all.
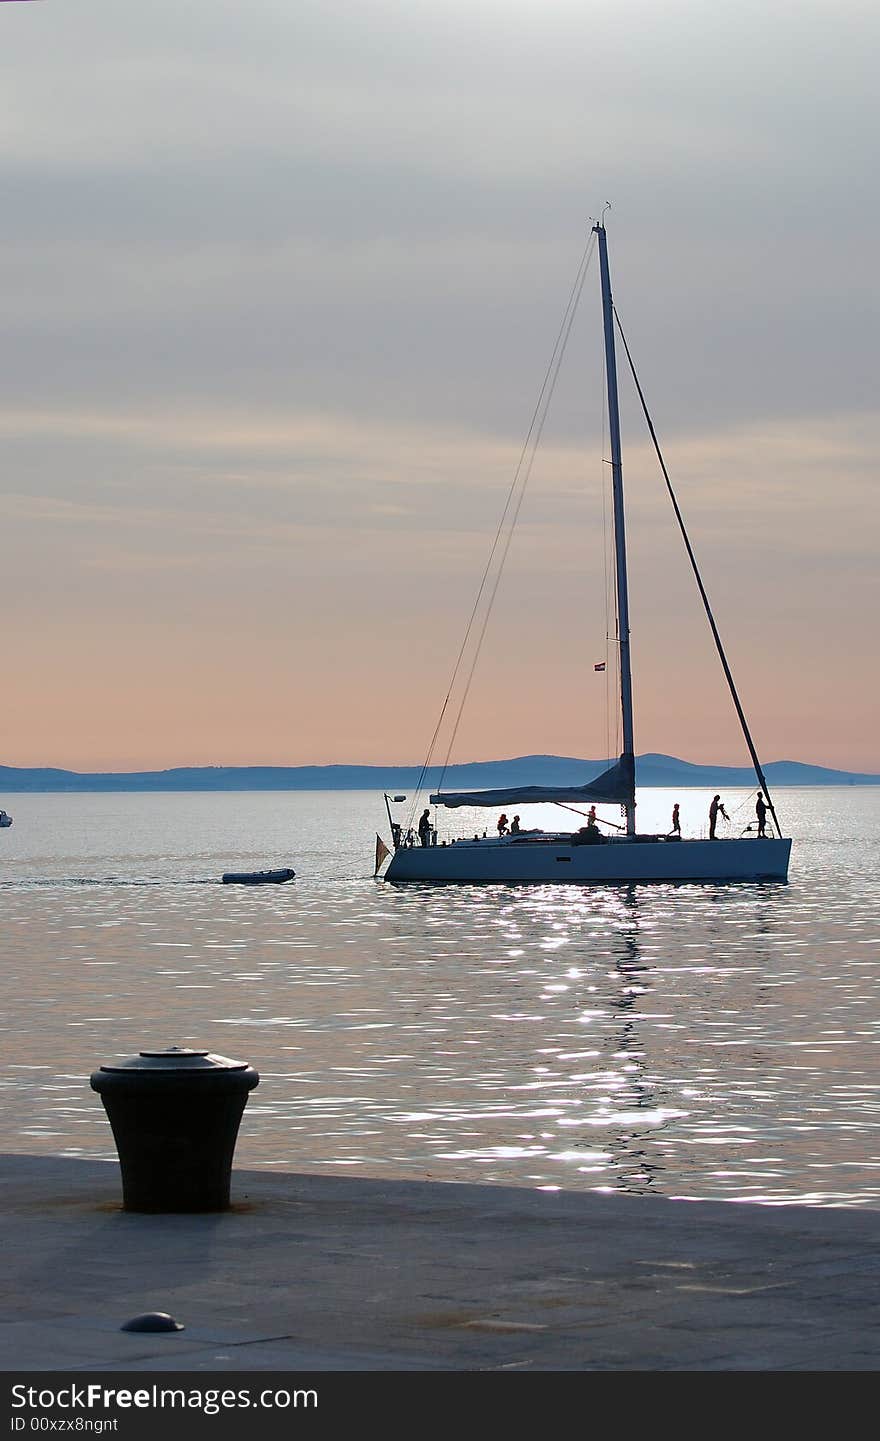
{"x":701,"y":1041}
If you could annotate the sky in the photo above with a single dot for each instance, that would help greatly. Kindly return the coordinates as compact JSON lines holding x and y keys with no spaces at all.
{"x":279,"y":284}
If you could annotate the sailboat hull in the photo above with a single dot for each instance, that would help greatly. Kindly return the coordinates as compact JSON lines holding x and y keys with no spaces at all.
{"x":617,"y":862}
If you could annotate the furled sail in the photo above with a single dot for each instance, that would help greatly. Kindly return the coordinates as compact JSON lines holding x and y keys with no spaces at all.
{"x":614,"y":786}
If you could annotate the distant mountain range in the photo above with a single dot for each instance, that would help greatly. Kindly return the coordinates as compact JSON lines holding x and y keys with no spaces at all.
{"x":651,"y":770}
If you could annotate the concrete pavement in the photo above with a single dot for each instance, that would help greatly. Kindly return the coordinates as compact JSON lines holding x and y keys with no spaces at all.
{"x":330,"y":1273}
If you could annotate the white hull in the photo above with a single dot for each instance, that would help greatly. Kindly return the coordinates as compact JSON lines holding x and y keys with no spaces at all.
{"x":511,"y":861}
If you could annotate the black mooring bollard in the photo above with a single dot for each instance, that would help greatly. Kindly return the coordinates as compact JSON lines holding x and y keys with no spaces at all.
{"x":175,"y":1116}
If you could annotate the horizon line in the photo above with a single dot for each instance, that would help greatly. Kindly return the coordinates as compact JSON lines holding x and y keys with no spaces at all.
{"x":655,"y":756}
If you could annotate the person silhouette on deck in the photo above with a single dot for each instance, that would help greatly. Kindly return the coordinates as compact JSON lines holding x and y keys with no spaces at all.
{"x":716,"y":809}
{"x":761,"y":813}
{"x":502,"y":824}
{"x":514,"y":826}
{"x":425,"y":827}
{"x":676,"y":823}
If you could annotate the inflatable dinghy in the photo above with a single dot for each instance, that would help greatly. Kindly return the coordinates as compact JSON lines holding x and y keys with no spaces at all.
{"x":257,"y":878}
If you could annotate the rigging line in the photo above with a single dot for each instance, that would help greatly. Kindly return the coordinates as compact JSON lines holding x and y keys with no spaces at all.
{"x":601,"y":819}
{"x":739,"y":808}
{"x":572,"y":300}
{"x":561,"y":348}
{"x":702,"y":589}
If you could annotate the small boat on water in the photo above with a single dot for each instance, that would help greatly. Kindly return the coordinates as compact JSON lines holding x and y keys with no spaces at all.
{"x":257,"y":878}
{"x":5,"y":821}
{"x":588,"y":855}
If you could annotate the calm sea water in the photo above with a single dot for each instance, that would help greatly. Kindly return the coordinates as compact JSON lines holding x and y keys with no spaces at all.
{"x":702,"y":1041}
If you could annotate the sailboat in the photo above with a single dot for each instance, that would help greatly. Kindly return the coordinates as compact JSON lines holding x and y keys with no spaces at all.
{"x":587,"y":855}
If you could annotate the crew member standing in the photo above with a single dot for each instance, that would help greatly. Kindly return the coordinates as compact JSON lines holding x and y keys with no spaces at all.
{"x":425,"y":827}
{"x":716,"y":809}
{"x":676,"y":823}
{"x":761,"y":813}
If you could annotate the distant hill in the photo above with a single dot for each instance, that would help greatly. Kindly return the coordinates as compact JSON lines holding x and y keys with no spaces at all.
{"x":651,"y":770}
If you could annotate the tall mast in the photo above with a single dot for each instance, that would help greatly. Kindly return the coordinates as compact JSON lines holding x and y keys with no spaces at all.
{"x":626,"y":706}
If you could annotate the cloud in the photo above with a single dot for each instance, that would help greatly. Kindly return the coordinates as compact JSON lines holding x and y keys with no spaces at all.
{"x":280,"y":284}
